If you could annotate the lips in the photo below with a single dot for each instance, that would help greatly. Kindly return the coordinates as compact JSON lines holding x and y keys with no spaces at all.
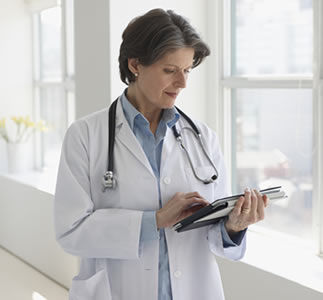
{"x":170,"y":94}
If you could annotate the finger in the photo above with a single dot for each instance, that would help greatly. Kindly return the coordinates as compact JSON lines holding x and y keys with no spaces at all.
{"x":247,"y":203}
{"x":261,"y":206}
{"x":266,"y":200}
{"x":189,"y":211}
{"x":198,"y":204}
{"x":196,"y":196}
{"x":194,"y":209}
{"x":195,"y":201}
{"x":192,"y":194}
{"x":185,"y":214}
{"x":254,"y":201}
{"x":238,"y":206}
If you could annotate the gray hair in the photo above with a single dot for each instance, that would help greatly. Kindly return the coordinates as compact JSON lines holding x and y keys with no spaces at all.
{"x":150,"y":36}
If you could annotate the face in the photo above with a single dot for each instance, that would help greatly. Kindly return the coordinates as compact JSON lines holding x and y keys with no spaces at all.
{"x":158,"y":85}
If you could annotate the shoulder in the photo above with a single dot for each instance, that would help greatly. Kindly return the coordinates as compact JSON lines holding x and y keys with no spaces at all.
{"x":91,"y":121}
{"x":85,"y":127}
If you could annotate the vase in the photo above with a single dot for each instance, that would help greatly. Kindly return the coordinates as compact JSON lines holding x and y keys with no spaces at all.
{"x":18,"y":157}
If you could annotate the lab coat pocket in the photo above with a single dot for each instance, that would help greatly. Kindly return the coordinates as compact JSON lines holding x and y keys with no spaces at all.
{"x":96,"y":287}
{"x":195,"y":185}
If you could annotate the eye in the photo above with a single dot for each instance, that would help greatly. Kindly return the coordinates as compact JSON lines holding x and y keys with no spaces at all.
{"x":187,"y":71}
{"x":169,"y":71}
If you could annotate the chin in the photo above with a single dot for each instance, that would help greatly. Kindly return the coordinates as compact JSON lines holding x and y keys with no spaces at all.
{"x":168,"y":106}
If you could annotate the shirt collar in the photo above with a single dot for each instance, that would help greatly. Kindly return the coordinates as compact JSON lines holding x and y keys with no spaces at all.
{"x":170,"y":116}
{"x":129,"y":110}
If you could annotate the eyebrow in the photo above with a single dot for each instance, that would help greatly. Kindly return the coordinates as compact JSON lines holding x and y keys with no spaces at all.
{"x":189,"y":67}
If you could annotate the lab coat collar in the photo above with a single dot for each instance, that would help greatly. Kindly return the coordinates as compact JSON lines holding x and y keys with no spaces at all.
{"x":125,"y":135}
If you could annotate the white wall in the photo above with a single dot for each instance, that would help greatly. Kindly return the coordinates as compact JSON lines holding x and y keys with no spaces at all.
{"x":27,"y":230}
{"x":92,"y":56}
{"x":244,"y":282}
{"x":15,"y":58}
{"x":15,"y":62}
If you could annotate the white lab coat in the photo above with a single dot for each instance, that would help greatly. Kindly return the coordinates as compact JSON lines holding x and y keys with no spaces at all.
{"x":103,"y":228}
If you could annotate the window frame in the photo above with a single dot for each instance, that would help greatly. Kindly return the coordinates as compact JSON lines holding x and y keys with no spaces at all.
{"x":221,"y":83}
{"x":66,"y":82}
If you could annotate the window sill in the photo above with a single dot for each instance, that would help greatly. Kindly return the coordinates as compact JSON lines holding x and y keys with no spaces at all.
{"x":285,"y":256}
{"x":277,"y":253}
{"x":44,"y":180}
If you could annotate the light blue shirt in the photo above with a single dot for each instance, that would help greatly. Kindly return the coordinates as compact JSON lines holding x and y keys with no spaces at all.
{"x":152,"y":146}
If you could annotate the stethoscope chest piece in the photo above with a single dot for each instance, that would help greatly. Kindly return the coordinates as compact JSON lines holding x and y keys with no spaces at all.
{"x":108,"y":181}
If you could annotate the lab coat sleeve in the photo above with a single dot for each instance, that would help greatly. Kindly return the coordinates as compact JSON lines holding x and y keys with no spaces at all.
{"x":215,"y":239}
{"x":80,"y":229}
{"x":235,"y":240}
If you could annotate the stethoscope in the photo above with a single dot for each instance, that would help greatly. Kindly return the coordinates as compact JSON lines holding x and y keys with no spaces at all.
{"x":109,"y":181}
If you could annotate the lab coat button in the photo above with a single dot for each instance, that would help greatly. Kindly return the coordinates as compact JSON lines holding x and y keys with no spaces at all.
{"x":167,"y":180}
{"x":177,"y":274}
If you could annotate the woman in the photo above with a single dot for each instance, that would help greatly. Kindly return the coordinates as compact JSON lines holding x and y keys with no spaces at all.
{"x":123,"y":234}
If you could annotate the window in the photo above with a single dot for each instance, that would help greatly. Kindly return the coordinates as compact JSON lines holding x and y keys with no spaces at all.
{"x":272,"y":145}
{"x":269,"y":110}
{"x":53,"y":76}
{"x":270,"y":37}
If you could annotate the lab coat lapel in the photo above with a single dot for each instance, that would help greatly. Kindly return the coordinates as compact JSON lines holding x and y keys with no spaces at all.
{"x":125,"y":135}
{"x":168,"y":149}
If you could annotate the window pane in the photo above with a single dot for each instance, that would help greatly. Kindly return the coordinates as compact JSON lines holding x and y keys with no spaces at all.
{"x":271,"y":37}
{"x":69,"y":12}
{"x":272,"y":144}
{"x":51,"y":44}
{"x":53,"y":110}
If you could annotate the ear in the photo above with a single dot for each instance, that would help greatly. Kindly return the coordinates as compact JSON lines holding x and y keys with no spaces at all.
{"x":133,"y":65}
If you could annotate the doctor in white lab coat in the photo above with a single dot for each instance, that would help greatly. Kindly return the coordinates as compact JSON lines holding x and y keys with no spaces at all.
{"x":123,"y":235}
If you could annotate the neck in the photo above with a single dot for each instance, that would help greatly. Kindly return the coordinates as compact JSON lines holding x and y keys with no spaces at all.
{"x":151,"y":113}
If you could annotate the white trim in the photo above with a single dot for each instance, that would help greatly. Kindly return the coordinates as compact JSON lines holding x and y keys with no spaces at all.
{"x":64,"y":59}
{"x":38,"y":5}
{"x":318,"y":124}
{"x":214,"y":66}
{"x":63,"y":41}
{"x":218,"y":105}
{"x":38,"y":157}
{"x":226,"y":112}
{"x":276,"y":83}
{"x":221,"y":83}
{"x":289,"y":255}
{"x":66,"y":82}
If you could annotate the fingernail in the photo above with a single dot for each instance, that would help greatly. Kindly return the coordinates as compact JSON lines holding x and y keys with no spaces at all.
{"x":247,"y":190}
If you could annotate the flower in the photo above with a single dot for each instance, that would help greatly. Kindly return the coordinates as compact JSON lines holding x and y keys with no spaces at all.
{"x":24,"y":128}
{"x":2,"y":123}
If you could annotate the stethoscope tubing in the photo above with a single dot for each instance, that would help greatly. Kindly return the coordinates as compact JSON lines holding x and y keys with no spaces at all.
{"x":199,"y":138}
{"x":109,"y":181}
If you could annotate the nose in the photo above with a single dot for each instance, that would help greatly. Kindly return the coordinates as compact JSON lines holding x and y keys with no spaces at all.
{"x":181,"y":79}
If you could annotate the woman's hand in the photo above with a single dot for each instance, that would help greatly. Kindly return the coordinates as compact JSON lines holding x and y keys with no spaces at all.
{"x":248,"y":210}
{"x":179,"y":207}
